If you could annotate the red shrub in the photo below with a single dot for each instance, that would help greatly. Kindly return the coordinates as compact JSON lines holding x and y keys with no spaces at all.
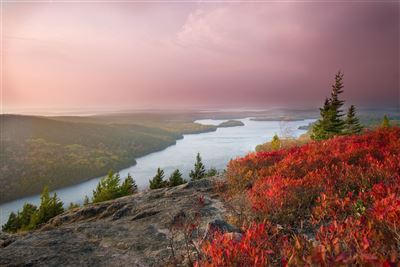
{"x":257,"y":247}
{"x":353,"y":242}
{"x":346,"y":190}
{"x":288,"y":199}
{"x":243,"y":171}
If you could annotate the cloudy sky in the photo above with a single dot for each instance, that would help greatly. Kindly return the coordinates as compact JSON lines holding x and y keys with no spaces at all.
{"x":194,"y":54}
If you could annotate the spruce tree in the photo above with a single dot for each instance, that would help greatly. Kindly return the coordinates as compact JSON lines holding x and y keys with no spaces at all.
{"x":320,"y":128}
{"x":385,"y":122}
{"x":21,"y":220}
{"x":331,"y":122}
{"x":25,"y":216}
{"x":128,"y":187}
{"x":176,"y":178}
{"x":56,"y":206}
{"x":199,"y":171}
{"x":49,"y":207}
{"x":12,"y":225}
{"x":352,"y":124}
{"x":158,"y":180}
{"x":108,"y":188}
{"x":335,"y":115}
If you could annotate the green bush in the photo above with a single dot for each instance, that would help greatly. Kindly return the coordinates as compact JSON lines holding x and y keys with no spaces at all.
{"x":211,"y":172}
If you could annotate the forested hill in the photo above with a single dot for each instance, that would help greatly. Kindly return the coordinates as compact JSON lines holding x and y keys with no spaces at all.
{"x":39,"y":151}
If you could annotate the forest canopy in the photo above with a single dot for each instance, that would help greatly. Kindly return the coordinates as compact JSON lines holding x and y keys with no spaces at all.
{"x":56,"y":152}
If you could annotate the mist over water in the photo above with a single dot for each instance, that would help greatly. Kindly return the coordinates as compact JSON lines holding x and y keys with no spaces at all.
{"x":216,"y":149}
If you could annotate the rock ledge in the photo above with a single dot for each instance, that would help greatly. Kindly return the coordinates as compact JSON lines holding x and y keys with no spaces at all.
{"x":129,"y":231}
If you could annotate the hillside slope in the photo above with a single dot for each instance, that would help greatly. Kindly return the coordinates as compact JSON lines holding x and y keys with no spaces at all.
{"x":39,"y":151}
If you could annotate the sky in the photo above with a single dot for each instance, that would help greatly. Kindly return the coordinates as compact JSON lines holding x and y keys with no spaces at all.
{"x":133,"y":55}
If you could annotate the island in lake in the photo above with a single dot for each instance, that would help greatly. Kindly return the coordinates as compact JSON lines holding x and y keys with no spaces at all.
{"x":230,"y":123}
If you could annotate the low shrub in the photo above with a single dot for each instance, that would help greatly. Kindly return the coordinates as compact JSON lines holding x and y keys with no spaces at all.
{"x":327,"y":203}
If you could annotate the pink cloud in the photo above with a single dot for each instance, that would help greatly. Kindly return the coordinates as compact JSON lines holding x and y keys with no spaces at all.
{"x":124,"y":55}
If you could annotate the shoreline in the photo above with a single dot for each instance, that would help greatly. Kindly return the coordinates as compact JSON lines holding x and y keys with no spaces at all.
{"x":121,"y":167}
{"x":76,"y":192}
{"x":132,"y":164}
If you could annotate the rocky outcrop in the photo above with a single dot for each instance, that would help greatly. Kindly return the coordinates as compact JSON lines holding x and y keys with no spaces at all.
{"x":146,"y":229}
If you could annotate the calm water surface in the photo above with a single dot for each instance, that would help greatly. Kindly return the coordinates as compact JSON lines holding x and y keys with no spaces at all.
{"x":216,"y":149}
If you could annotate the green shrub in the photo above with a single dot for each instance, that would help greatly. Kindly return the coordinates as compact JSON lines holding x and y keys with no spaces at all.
{"x":211,"y":172}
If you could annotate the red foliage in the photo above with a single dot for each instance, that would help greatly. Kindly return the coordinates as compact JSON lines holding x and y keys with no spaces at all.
{"x":255,"y":248}
{"x":353,"y":242}
{"x":347,"y":189}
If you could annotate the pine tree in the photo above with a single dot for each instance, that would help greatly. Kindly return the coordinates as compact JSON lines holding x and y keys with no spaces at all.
{"x":385,"y":122}
{"x":199,"y":171}
{"x":331,"y":122}
{"x":12,"y":225}
{"x":49,"y":207}
{"x":128,"y":187}
{"x":25,"y":216}
{"x":320,"y":128}
{"x":336,"y":122}
{"x":21,"y":220}
{"x":108,"y":188}
{"x":30,"y":216}
{"x":158,"y":180}
{"x":176,"y":178}
{"x":352,"y":124}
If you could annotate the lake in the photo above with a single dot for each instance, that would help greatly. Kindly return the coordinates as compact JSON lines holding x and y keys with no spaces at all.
{"x":216,"y":149}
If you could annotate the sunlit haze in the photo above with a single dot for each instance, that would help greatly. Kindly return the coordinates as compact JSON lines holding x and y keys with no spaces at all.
{"x":177,"y":55}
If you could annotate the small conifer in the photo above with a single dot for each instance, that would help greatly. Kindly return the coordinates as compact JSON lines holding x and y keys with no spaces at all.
{"x":158,"y":180}
{"x":176,"y":178}
{"x":199,"y":171}
{"x":352,"y":124}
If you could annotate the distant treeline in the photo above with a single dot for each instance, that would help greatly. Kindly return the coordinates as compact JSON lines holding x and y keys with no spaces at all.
{"x":38,"y":151}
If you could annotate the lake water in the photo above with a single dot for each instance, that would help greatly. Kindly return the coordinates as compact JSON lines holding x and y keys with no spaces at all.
{"x":216,"y":149}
